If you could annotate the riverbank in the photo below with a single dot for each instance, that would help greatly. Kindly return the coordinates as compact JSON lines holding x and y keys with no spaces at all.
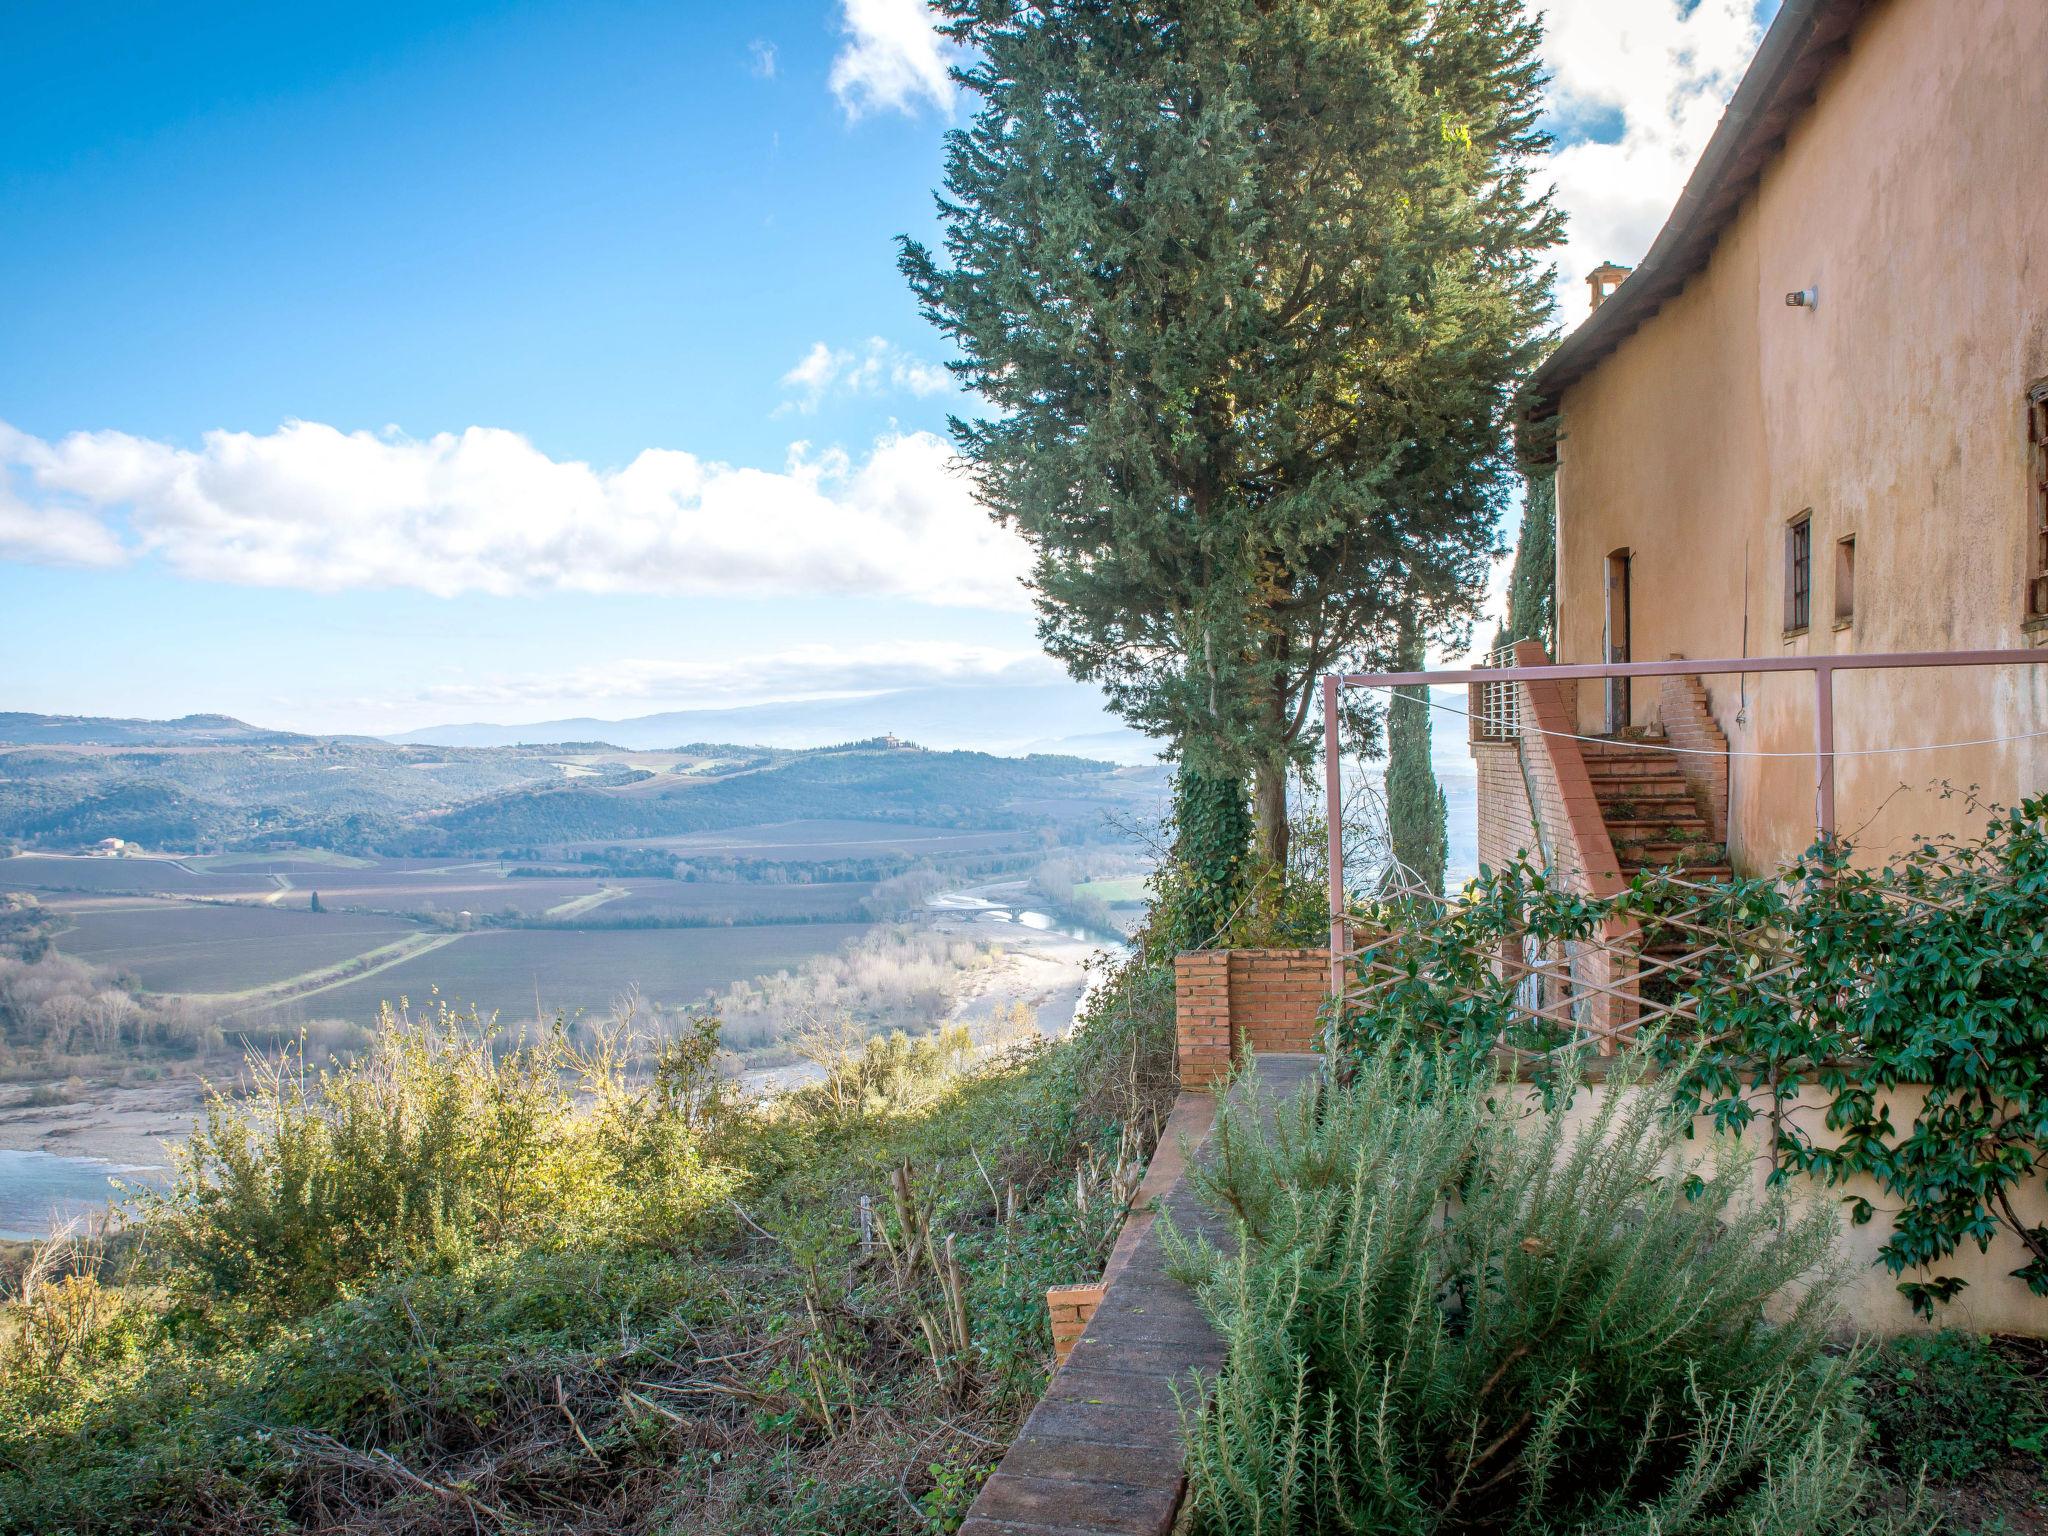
{"x":110,"y":1122}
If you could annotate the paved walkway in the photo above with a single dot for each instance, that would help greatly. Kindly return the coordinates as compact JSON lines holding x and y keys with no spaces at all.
{"x":1101,"y":1454}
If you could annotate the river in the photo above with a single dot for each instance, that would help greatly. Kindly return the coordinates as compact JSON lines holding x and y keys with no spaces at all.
{"x":41,"y":1190}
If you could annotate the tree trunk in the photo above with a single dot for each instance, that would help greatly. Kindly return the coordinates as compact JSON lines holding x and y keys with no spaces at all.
{"x":1269,"y":809}
{"x":1212,"y":847}
{"x":1269,"y":780}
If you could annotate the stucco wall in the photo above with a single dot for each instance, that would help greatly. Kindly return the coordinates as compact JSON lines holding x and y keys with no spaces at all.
{"x":1910,"y":196}
{"x":1993,"y":1303}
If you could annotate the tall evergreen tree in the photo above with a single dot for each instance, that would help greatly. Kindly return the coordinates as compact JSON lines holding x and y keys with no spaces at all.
{"x":1418,"y":816}
{"x":1532,"y":584}
{"x":1246,"y":286}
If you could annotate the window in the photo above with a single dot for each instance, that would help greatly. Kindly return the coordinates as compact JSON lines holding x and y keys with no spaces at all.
{"x":1799,"y":573}
{"x":2037,"y":503}
{"x":1845,"y":582}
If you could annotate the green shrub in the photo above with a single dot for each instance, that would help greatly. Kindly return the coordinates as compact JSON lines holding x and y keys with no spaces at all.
{"x":428,"y":1148}
{"x":1453,"y":1310}
{"x":578,"y":1347}
{"x":1950,"y":1403}
{"x":426,"y":1369}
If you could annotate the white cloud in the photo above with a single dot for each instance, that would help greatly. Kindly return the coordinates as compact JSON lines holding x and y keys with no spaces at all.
{"x":816,"y":370}
{"x":52,"y":535}
{"x":870,"y":370}
{"x":761,"y":58}
{"x":893,"y":59}
{"x":919,"y":377}
{"x":1667,"y":72}
{"x":800,"y":672}
{"x":483,"y":510}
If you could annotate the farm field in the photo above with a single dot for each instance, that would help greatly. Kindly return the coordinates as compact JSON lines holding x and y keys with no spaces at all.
{"x":478,"y":888}
{"x":302,"y":861}
{"x":186,"y":947}
{"x":487,"y":889}
{"x":1122,"y":890}
{"x":717,"y":901}
{"x":58,"y":873}
{"x":575,"y":971}
{"x":831,"y":840}
{"x":375,"y":874}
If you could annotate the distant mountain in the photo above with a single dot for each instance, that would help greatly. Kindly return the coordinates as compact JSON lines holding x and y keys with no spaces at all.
{"x":19,"y":729}
{"x":1008,"y":719}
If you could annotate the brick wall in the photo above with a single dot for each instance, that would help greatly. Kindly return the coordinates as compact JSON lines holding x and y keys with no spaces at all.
{"x":1536,"y":798}
{"x":1070,"y":1307}
{"x":1506,"y":828}
{"x":1568,"y":817}
{"x":1228,"y":1002}
{"x":1201,"y":1016}
{"x":1689,"y":723}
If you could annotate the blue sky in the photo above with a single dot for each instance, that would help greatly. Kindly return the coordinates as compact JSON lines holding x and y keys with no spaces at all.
{"x":608,"y":397}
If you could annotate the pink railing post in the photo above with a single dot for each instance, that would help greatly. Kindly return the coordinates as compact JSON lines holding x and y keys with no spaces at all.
{"x":1333,"y":809}
{"x":1824,"y":748}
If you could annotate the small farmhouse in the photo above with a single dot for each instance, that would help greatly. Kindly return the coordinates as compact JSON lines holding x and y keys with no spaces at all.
{"x":1814,"y":417}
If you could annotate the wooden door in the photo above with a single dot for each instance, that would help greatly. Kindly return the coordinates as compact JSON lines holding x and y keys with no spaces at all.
{"x":1616,"y":643}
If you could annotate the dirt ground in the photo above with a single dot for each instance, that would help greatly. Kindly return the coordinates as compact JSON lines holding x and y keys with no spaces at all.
{"x":124,"y":1124}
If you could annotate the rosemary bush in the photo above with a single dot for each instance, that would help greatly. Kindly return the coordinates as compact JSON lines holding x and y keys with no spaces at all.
{"x":1454,"y":1309}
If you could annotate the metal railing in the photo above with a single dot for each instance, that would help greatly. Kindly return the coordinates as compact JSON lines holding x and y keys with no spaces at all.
{"x":1497,"y":706}
{"x":1821,"y":668}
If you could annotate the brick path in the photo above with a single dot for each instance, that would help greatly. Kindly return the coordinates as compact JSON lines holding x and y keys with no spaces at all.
{"x":1100,"y":1454}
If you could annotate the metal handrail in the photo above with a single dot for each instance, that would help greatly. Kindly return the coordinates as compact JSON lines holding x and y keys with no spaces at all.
{"x":1823,"y":669}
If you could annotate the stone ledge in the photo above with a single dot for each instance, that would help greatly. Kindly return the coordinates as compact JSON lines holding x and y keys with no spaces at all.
{"x":1101,"y":1453}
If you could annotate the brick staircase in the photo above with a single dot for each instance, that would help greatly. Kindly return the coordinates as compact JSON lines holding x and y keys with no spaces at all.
{"x":1651,"y":815}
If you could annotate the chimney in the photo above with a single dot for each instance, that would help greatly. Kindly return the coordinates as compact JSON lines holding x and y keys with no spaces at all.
{"x":1604,"y":279}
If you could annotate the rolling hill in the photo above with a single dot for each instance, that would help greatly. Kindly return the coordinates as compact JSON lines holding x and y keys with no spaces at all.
{"x":1004,"y":719}
{"x":210,"y":783}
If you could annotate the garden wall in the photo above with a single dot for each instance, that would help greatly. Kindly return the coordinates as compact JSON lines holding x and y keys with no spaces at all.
{"x":1232,"y":1002}
{"x":1994,"y":1302}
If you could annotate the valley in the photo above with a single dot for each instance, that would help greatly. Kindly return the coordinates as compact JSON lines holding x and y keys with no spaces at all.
{"x":174,"y":896}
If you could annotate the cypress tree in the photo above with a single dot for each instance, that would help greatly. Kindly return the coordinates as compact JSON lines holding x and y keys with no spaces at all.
{"x":1418,"y":816}
{"x":1532,"y":584}
{"x":1246,"y":288}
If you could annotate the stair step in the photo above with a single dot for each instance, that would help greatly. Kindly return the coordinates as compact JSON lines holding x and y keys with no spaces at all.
{"x":1651,"y":812}
{"x":1632,"y":767}
{"x":1662,"y":832}
{"x":1646,"y":792}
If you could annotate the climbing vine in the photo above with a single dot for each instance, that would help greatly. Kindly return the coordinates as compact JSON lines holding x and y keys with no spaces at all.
{"x":1203,"y":887}
{"x":1929,"y":972}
